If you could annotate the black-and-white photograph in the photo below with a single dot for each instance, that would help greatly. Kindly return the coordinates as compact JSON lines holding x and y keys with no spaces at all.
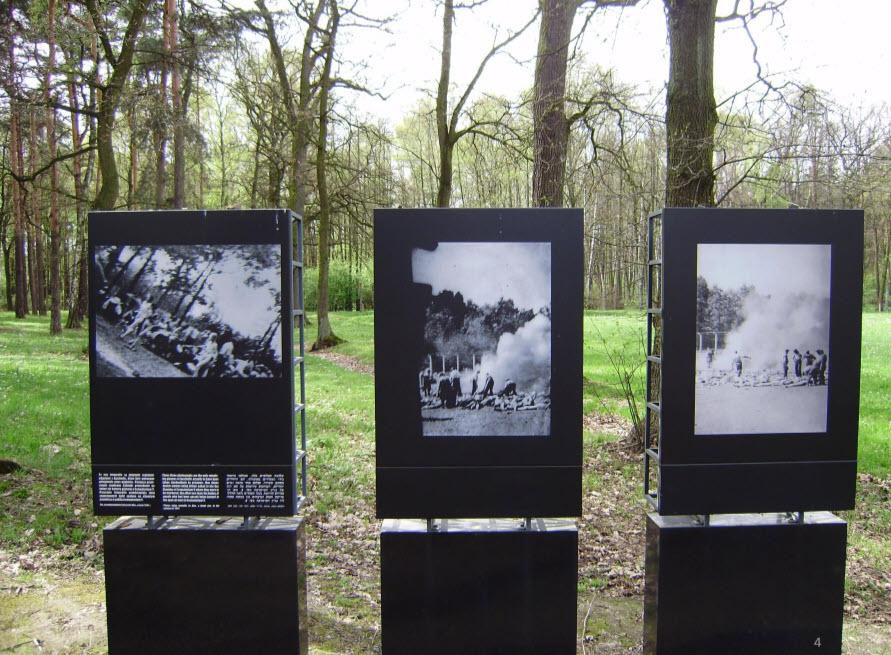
{"x":762,"y":338}
{"x":201,"y":311}
{"x":487,"y":333}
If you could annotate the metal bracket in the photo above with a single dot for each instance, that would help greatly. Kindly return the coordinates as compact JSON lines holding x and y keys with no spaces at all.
{"x":703,"y":519}
{"x":155,"y":522}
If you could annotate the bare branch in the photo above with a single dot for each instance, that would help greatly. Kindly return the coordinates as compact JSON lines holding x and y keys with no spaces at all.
{"x":456,"y":110}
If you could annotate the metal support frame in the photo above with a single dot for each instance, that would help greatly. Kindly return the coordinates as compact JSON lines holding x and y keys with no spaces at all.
{"x":300,"y":359}
{"x":654,"y":359}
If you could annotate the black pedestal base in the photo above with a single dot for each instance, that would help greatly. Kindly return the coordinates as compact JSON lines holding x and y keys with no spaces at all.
{"x":479,"y":587}
{"x":744,"y":585}
{"x":196,"y":586}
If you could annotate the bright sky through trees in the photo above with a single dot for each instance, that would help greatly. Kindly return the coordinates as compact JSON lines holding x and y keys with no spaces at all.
{"x":836,"y":46}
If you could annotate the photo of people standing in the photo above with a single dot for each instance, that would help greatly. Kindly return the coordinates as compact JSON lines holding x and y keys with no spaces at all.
{"x":201,"y":311}
{"x":487,"y":330}
{"x":762,"y":338}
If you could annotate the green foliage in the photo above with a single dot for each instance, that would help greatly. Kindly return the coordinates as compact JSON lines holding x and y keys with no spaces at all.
{"x":349,"y":288}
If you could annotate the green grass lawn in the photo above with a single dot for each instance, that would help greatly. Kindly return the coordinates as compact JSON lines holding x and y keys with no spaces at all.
{"x":874,"y":452}
{"x":44,"y":427}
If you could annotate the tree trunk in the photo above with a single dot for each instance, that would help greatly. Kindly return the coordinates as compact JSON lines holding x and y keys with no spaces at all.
{"x":107,"y":196}
{"x":7,"y":270}
{"x":77,"y":309}
{"x":691,"y":114}
{"x":224,"y":179}
{"x":179,"y":147}
{"x":133,"y":172}
{"x":198,"y":292}
{"x":113,"y":286}
{"x":548,"y":111}
{"x":443,"y":135}
{"x":18,"y":209}
{"x":36,"y":255}
{"x":299,"y":116}
{"x":163,"y":110}
{"x":304,"y":101}
{"x":325,"y":336}
{"x":55,"y":231}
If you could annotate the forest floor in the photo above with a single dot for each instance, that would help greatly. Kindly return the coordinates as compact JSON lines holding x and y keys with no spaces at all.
{"x":51,"y":581}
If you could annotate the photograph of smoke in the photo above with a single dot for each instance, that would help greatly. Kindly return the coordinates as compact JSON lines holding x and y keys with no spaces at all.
{"x":762,"y":338}
{"x":487,"y":334}
{"x":201,"y":311}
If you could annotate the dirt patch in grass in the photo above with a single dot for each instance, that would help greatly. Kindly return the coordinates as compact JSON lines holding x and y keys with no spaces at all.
{"x":48,"y":605}
{"x":345,"y":361}
{"x":611,"y":531}
{"x":598,"y":423}
{"x":609,"y":626}
{"x":868,"y":584}
{"x":41,"y":511}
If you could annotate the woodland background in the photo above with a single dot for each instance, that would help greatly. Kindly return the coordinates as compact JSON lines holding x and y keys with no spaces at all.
{"x":151,"y":104}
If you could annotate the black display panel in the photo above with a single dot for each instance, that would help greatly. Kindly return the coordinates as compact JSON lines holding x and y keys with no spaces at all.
{"x":761,"y":313}
{"x":478,"y":347}
{"x":191,"y":362}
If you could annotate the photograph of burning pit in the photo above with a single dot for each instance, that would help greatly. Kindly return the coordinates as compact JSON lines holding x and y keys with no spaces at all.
{"x":180,"y":311}
{"x":487,"y":333}
{"x":762,"y":338}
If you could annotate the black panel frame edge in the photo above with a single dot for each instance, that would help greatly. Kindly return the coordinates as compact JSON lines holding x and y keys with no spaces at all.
{"x":184,"y":227}
{"x":471,"y":462}
{"x":705,"y":474}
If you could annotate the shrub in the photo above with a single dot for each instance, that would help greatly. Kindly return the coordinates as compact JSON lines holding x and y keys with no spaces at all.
{"x":348,"y":288}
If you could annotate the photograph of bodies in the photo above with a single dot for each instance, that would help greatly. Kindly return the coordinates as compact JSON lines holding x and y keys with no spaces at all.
{"x":201,"y":311}
{"x":487,"y":331}
{"x":762,"y":338}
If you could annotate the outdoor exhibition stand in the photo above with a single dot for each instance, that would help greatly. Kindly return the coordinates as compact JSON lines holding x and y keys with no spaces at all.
{"x":478,"y":337}
{"x":195,"y":433}
{"x":753,"y":355}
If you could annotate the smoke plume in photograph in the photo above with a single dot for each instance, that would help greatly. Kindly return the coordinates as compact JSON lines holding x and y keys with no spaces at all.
{"x":201,"y":311}
{"x":762,"y":338}
{"x":487,"y":330}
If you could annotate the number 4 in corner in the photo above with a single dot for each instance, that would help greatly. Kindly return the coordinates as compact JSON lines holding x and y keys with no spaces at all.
{"x":817,"y":642}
